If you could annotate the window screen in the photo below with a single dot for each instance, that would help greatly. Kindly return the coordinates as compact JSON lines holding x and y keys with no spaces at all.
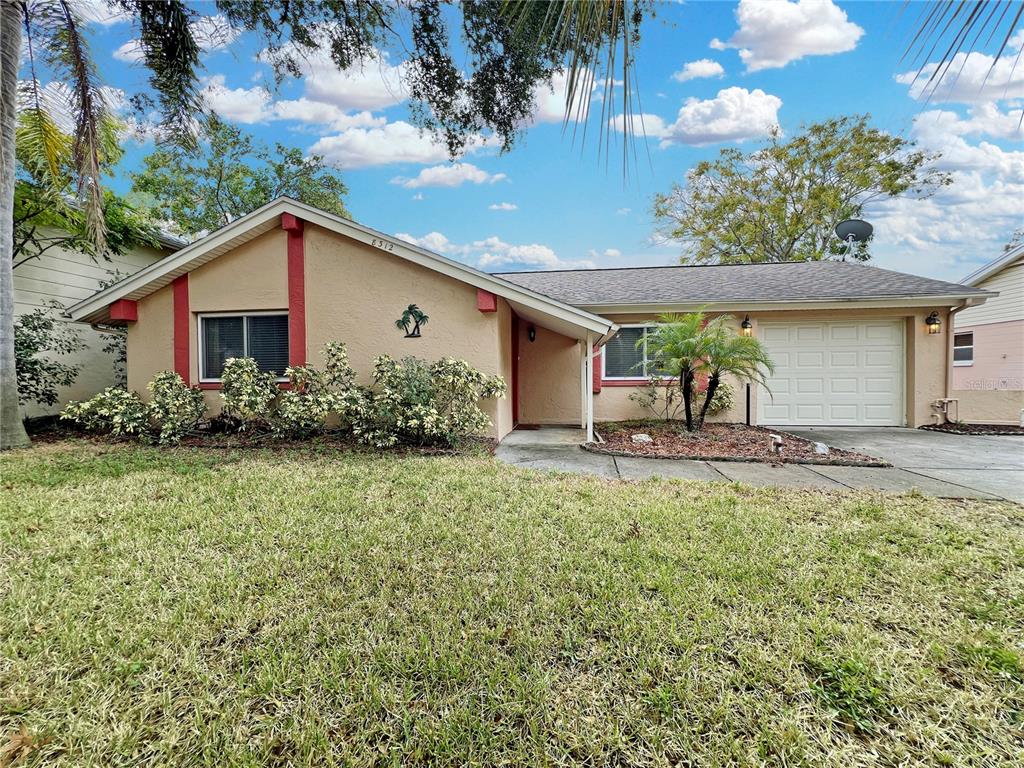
{"x":261,"y":337}
{"x":268,"y":341}
{"x":223,"y":337}
{"x":622,"y":359}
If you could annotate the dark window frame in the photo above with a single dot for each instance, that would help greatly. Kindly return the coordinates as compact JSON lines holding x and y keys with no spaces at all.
{"x":201,"y":347}
{"x":641,"y":374}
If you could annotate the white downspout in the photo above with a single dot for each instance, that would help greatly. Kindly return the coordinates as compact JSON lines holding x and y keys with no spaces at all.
{"x":951,"y":333}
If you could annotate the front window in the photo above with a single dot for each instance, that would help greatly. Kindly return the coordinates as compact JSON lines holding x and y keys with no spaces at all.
{"x":626,"y":355}
{"x":263,"y":337}
{"x":963,"y":348}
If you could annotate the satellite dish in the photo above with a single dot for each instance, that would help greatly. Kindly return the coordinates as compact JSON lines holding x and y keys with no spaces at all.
{"x":853,"y":230}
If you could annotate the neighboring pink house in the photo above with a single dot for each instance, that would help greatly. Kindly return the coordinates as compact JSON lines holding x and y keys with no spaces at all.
{"x":988,"y":344}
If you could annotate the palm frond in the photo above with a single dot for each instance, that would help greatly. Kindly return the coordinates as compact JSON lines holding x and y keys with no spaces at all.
{"x":957,"y":27}
{"x":43,"y":149}
{"x":595,"y":39}
{"x":170,"y":52}
{"x":58,"y":28}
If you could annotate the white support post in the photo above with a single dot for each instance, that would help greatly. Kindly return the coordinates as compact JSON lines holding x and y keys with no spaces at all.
{"x":588,"y":387}
{"x":583,"y":385}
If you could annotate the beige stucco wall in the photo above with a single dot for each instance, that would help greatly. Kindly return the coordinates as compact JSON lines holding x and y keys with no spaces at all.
{"x":549,"y":369}
{"x":354,"y":294}
{"x":549,"y":377}
{"x":150,"y":345}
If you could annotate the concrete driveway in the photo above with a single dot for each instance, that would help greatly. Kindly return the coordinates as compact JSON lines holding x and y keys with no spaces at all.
{"x":983,"y":464}
{"x":936,"y":464}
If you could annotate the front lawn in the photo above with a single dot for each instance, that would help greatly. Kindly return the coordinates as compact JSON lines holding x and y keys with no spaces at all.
{"x":214,"y":607}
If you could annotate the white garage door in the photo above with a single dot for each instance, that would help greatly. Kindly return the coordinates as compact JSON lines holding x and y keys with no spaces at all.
{"x":836,"y":373}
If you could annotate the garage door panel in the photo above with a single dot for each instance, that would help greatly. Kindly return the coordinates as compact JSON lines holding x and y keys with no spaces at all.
{"x":842,"y":373}
{"x":843,"y":359}
{"x":810,"y":360}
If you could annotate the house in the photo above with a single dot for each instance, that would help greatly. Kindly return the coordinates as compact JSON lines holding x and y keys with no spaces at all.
{"x":65,"y":276}
{"x":853,"y":345}
{"x":988,"y":345}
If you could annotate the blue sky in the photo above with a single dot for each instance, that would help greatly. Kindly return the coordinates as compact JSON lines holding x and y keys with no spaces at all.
{"x":554,"y":203}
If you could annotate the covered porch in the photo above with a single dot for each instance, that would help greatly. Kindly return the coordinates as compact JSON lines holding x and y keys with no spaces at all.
{"x":553,"y":373}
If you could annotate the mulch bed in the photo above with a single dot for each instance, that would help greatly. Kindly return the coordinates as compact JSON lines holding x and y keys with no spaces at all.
{"x":719,"y":442}
{"x":955,"y":428}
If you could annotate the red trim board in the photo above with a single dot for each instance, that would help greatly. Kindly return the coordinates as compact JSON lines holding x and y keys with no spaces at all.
{"x":182,"y":362}
{"x":296,"y":289}
{"x":124,"y":309}
{"x":486,"y":301}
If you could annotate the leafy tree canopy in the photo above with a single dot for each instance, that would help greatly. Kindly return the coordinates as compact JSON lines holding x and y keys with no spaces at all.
{"x":229,"y":174}
{"x":781,"y":202}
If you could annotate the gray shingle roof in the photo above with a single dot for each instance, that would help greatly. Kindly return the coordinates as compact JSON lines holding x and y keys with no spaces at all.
{"x":788,"y":281}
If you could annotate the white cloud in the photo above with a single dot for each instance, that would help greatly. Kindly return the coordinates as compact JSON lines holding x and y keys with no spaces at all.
{"x":240,"y":105}
{"x":644,"y":124}
{"x":972,"y":78}
{"x":373,"y":85}
{"x":432,"y":241}
{"x":694,"y":70}
{"x":502,"y":207}
{"x":551,"y":99}
{"x":735,"y":114}
{"x":494,"y":254}
{"x":418,"y":196}
{"x":452,"y":175}
{"x":943,"y":131}
{"x":130,"y":52}
{"x":99,"y":13}
{"x":312,"y":112}
{"x":623,"y":211}
{"x":965,"y":224}
{"x":608,"y":253}
{"x":772,"y":33}
{"x":397,"y":142}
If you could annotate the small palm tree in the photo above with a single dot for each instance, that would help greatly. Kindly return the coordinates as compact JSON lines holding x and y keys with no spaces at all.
{"x":686,"y":346}
{"x":414,"y":315}
{"x":726,"y":352}
{"x":674,"y":349}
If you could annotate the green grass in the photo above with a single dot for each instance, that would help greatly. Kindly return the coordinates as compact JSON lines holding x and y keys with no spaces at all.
{"x":229,"y":608}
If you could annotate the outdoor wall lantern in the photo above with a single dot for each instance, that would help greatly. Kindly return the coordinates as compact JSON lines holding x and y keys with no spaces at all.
{"x":933,"y":323}
{"x":746,"y":327}
{"x":531,"y":333}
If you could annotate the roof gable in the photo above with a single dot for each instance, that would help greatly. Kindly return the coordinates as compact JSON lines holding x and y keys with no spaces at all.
{"x":268,"y":217}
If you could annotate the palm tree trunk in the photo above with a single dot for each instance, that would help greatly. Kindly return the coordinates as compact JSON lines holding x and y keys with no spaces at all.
{"x":12,"y":430}
{"x":687,"y":398}
{"x":708,"y":394}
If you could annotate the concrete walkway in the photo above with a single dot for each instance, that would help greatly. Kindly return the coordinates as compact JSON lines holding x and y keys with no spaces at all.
{"x":935,"y":464}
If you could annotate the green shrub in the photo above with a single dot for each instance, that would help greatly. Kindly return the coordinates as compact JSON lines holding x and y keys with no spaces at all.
{"x":41,"y":339}
{"x":250,"y":395}
{"x":174,"y":407}
{"x":114,"y":411}
{"x":173,"y":410}
{"x":414,"y":402}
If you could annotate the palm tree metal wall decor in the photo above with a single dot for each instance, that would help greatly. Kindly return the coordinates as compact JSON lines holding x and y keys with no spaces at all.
{"x":412,"y":315}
